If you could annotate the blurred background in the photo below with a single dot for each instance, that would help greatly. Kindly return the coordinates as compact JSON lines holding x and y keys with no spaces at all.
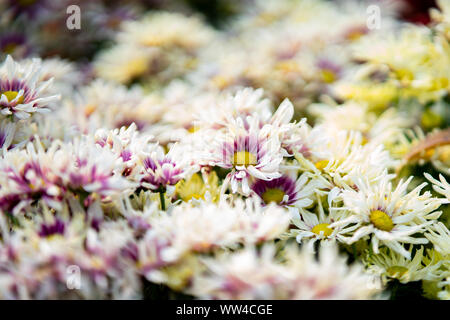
{"x":37,"y":27}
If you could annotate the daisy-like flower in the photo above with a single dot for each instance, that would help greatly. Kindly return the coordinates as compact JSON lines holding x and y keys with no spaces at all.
{"x":390,"y":215}
{"x":243,"y":103}
{"x":316,"y":226}
{"x":111,"y":65}
{"x":354,"y":116}
{"x":26,"y":176}
{"x":65,"y":75}
{"x":36,"y":259}
{"x":21,"y":92}
{"x":344,"y":157}
{"x":161,"y":171}
{"x":126,"y":144}
{"x":103,"y":104}
{"x":249,"y":274}
{"x":219,"y":225}
{"x":249,"y":151}
{"x":390,"y":265}
{"x":287,"y":190}
{"x":83,"y":166}
{"x":164,"y":29}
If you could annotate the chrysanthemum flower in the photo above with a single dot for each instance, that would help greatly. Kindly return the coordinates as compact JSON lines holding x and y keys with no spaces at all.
{"x":344,"y":158}
{"x":249,"y":274}
{"x":103,"y":104}
{"x":26,"y":176}
{"x":126,"y":144}
{"x":164,"y":29}
{"x":35,"y":261}
{"x":390,"y":215}
{"x":21,"y":91}
{"x":84,"y":166}
{"x":288,"y":190}
{"x":316,"y":226}
{"x":245,"y":102}
{"x":161,"y":171}
{"x":249,"y":151}
{"x":390,"y":265}
{"x":219,"y":225}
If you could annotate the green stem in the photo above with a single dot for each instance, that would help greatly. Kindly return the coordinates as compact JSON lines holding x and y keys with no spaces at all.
{"x":163,"y":201}
{"x":355,"y":255}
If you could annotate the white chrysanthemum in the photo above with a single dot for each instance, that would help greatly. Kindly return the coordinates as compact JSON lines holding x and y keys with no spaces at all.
{"x":36,"y":258}
{"x":316,"y":226}
{"x":65,"y":75}
{"x":21,"y":91}
{"x":109,"y":105}
{"x":126,"y":144}
{"x":183,"y":102}
{"x":384,"y":128}
{"x":344,"y":158}
{"x":391,"y":265}
{"x":27,"y":175}
{"x":124,"y":62}
{"x":207,"y":226}
{"x":249,"y":274}
{"x":164,"y":29}
{"x":390,"y":215}
{"x":84,"y":166}
{"x":245,"y":102}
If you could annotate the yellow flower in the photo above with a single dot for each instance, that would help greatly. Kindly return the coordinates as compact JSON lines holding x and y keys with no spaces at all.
{"x":196,"y":188}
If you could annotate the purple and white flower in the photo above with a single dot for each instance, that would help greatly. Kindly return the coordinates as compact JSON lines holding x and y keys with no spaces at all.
{"x":286,"y":190}
{"x":249,"y":151}
{"x":21,"y":92}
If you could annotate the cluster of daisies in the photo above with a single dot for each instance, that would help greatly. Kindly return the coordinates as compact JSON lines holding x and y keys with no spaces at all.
{"x":295,"y":154}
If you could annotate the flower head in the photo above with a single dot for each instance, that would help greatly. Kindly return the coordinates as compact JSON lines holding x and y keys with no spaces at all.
{"x":21,"y":91}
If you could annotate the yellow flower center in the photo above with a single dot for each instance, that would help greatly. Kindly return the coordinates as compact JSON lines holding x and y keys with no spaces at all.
{"x":273,"y":195}
{"x":328,"y":76}
{"x":11,"y":95}
{"x":193,"y":128}
{"x":381,"y":220}
{"x":354,"y":35}
{"x":89,"y":109}
{"x":324,"y":228}
{"x":288,"y":66}
{"x":221,"y":82}
{"x":321,"y":164}
{"x":244,"y":158}
{"x":396,"y":271}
